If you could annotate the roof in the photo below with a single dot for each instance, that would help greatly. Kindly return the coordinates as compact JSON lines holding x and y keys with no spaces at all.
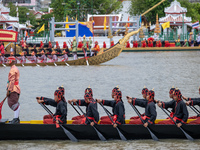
{"x":6,"y":17}
{"x":4,"y":9}
{"x":177,"y":18}
{"x":175,"y":7}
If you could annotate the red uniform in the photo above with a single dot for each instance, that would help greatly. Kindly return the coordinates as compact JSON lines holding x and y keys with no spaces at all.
{"x":127,"y":44}
{"x":112,"y":44}
{"x":135,"y":44}
{"x":143,"y":44}
{"x":104,"y":44}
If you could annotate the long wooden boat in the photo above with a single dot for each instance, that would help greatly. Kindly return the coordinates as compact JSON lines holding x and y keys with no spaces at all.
{"x":102,"y":57}
{"x":35,"y":130}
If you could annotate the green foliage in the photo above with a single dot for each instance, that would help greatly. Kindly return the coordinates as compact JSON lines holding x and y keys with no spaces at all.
{"x":138,"y":7}
{"x":61,"y":8}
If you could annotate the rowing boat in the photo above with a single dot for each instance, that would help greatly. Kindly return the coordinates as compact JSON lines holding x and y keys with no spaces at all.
{"x":105,"y":56}
{"x":36,"y":130}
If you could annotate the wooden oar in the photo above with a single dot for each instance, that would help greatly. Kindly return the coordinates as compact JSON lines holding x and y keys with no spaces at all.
{"x":194,"y":109}
{"x":153,"y":136}
{"x":187,"y":135}
{"x":101,"y":137}
{"x":4,"y":65}
{"x":1,"y":104}
{"x":120,"y":134}
{"x":69,"y":134}
{"x":75,"y":109}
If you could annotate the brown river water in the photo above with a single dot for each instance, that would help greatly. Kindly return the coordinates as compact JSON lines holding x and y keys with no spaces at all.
{"x":131,"y":71}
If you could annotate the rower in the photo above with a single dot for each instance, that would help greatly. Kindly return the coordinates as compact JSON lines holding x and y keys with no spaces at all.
{"x":91,"y":109}
{"x":192,"y":102}
{"x":61,"y":108}
{"x":143,"y":43}
{"x":41,"y":44}
{"x":170,"y":104}
{"x":79,"y":118}
{"x":13,"y":89}
{"x":84,"y":46}
{"x":104,"y":44}
{"x":64,"y":56}
{"x":150,"y":109}
{"x":34,"y":50}
{"x":135,"y":44}
{"x":74,"y":48}
{"x":90,"y":45}
{"x":32,"y":58}
{"x":181,"y":113}
{"x":43,"y":57}
{"x":118,"y":108}
{"x":53,"y":57}
{"x":2,"y":59}
{"x":58,"y":50}
{"x":22,"y":58}
{"x":112,"y":44}
{"x":178,"y":44}
{"x":127,"y":44}
{"x":144,"y":94}
{"x":49,"y":48}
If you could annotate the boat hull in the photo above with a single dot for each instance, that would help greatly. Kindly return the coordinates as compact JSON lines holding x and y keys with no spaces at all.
{"x":86,"y":132}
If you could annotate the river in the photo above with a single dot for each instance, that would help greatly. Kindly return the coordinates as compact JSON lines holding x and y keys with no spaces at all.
{"x":131,"y":71}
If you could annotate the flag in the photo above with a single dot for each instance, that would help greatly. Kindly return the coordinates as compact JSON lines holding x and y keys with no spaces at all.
{"x":166,"y":25}
{"x":128,"y":23}
{"x":195,"y":25}
{"x":41,"y":29}
{"x":104,"y":23}
{"x":67,"y":25}
{"x":9,"y":27}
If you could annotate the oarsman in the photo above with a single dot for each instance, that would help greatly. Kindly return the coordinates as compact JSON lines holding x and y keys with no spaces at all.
{"x":49,"y":48}
{"x":64,"y":57}
{"x":13,"y":89}
{"x":65,"y":47}
{"x":150,"y":43}
{"x":58,"y":50}
{"x":150,"y":109}
{"x":104,"y":44}
{"x":57,"y":44}
{"x":2,"y":51}
{"x":34,"y":50}
{"x":170,"y":104}
{"x":144,"y":94}
{"x":118,"y":108}
{"x":181,"y":113}
{"x":25,"y":49}
{"x":41,"y":44}
{"x":186,"y":44}
{"x":90,"y":45}
{"x":96,"y":49}
{"x":22,"y":58}
{"x":74,"y":48}
{"x":159,"y":43}
{"x":32,"y":58}
{"x":53,"y":57}
{"x":167,"y":44}
{"x":43,"y":58}
{"x":78,"y":119}
{"x":143,"y":43}
{"x":2,"y":59}
{"x":61,"y":108}
{"x":84,"y":46}
{"x":192,"y":102}
{"x":91,"y":109}
{"x":135,"y":44}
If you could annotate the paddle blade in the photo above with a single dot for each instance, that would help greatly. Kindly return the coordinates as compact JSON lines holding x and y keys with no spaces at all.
{"x":69,"y":135}
{"x":121,"y":135}
{"x":187,"y":135}
{"x":153,"y":136}
{"x":101,"y":137}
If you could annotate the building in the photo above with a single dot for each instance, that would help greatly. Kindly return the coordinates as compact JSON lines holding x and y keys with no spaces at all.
{"x":31,"y":4}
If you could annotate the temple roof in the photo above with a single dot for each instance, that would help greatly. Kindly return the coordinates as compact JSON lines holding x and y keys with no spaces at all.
{"x":175,"y":7}
{"x":3,"y":9}
{"x":7,"y":18}
{"x":177,"y":18}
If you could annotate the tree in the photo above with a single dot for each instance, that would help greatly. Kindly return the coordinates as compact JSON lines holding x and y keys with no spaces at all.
{"x":138,"y":7}
{"x":61,"y":8}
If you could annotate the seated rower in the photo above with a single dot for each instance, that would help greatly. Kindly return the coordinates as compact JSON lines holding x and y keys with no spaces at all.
{"x":143,"y":43}
{"x":53,"y":57}
{"x":91,"y":109}
{"x":104,"y":44}
{"x":43,"y":58}
{"x":170,"y":104}
{"x":181,"y":113}
{"x":127,"y":44}
{"x":106,"y":119}
{"x":61,"y":108}
{"x":118,"y":109}
{"x":194,"y":101}
{"x":150,"y":109}
{"x":144,"y":94}
{"x":2,"y":59}
{"x":64,"y":57}
{"x":96,"y":49}
{"x":58,"y":50}
{"x":112,"y":44}
{"x":65,"y":47}
{"x":49,"y":49}
{"x":32,"y":58}
{"x":34,"y":50}
{"x":178,"y":43}
{"x":22,"y":58}
{"x":88,"y":89}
